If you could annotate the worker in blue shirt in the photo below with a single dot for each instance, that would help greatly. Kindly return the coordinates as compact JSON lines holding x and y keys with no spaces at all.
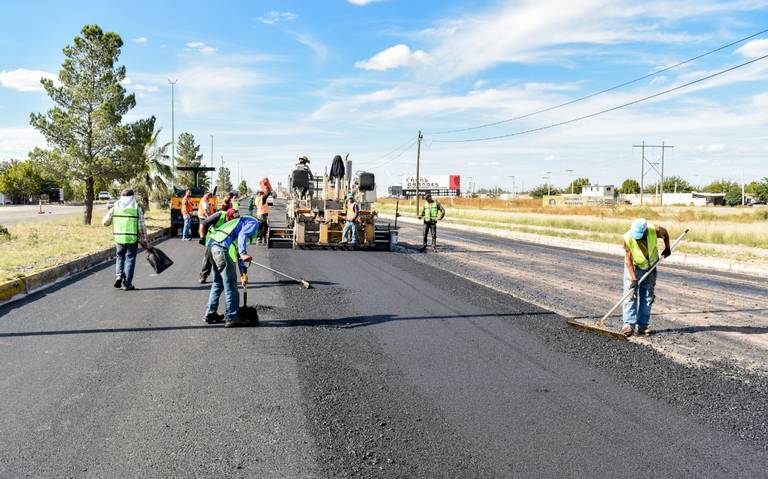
{"x":228,"y":244}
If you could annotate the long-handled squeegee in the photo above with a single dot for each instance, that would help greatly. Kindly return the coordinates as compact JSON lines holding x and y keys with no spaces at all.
{"x":598,"y":326}
{"x":302,"y":282}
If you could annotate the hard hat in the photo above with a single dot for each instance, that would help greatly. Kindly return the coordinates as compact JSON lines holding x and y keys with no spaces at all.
{"x":303,"y":159}
{"x":351,"y":196}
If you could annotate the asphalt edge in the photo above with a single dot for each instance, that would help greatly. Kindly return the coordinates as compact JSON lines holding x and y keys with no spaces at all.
{"x":681,"y":259}
{"x":18,"y":288}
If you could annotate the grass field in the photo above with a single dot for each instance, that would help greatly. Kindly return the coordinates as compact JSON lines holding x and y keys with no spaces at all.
{"x":34,"y":246}
{"x":737,"y":233}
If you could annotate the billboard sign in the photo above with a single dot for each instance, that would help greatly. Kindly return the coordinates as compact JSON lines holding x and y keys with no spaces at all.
{"x":432,"y":182}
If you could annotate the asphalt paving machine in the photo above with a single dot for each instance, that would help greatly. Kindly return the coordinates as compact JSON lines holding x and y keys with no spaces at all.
{"x":315,"y":213}
{"x":195,"y":195}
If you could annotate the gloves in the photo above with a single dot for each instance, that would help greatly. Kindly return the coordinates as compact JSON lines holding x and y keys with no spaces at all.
{"x":666,"y":253}
{"x":633,"y":284}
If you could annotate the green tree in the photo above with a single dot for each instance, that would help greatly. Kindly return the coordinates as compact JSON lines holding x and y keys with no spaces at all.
{"x":577,"y":185}
{"x":760,"y":190}
{"x":85,"y":125}
{"x":733,"y":198}
{"x":224,"y":182}
{"x":671,"y":184}
{"x":242,"y":188}
{"x":152,"y":170}
{"x":22,"y":179}
{"x":721,"y":186}
{"x":630,"y":187}
{"x":542,"y":190}
{"x":188,"y":154}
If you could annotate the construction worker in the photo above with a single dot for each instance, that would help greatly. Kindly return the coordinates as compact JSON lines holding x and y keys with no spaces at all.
{"x":186,"y":212}
{"x":251,"y":205}
{"x":352,"y":210}
{"x":235,"y":201}
{"x":641,"y":247}
{"x":204,"y":211}
{"x":129,"y":230}
{"x":262,"y":214}
{"x":302,"y":192}
{"x":432,"y":213}
{"x":228,"y":245}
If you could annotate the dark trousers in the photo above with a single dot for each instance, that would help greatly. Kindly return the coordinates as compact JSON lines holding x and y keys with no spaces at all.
{"x":430,"y":226}
{"x":263,"y":227}
{"x":207,"y":261}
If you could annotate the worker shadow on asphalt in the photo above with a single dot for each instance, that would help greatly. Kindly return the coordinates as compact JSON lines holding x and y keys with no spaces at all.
{"x":342,"y":323}
{"x":361,"y":321}
{"x":722,"y":328}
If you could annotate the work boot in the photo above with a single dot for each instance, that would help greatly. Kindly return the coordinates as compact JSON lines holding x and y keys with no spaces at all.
{"x":213,"y":318}
{"x":423,"y":249}
{"x":643,"y":331}
{"x":434,"y":249}
{"x":627,"y":331}
{"x":234,"y":323}
{"x":118,"y":281}
{"x":128,"y":287}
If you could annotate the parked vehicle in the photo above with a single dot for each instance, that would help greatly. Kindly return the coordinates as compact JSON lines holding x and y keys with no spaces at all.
{"x":104,"y":196}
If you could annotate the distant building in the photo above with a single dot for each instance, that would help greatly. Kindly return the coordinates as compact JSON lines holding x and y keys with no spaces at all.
{"x":4,"y":200}
{"x":694,"y":198}
{"x":600,"y":191}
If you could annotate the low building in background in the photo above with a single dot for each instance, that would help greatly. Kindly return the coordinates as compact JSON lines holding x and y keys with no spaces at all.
{"x":694,"y":198}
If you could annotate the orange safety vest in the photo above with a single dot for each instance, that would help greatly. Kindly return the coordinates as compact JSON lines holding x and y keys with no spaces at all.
{"x":263,"y":206}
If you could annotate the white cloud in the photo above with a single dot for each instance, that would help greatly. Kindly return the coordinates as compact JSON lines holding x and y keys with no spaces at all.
{"x":713,"y":148}
{"x":394,"y":57}
{"x":16,"y":142}
{"x":274,"y":17}
{"x":201,"y":47}
{"x":754,"y":49}
{"x":361,"y":3}
{"x":22,"y":79}
{"x":317,"y":47}
{"x":140,"y":40}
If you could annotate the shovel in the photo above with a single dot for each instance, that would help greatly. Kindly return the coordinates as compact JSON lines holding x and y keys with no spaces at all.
{"x":245,"y":312}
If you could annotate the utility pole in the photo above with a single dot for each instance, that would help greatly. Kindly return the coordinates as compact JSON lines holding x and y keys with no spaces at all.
{"x":513,"y":186}
{"x":643,"y":161}
{"x":173,"y":132}
{"x":549,"y":183}
{"x":570,"y":173}
{"x":211,"y":150}
{"x":418,"y":160}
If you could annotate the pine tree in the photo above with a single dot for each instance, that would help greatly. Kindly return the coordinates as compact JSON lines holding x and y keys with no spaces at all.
{"x":188,"y":154}
{"x":224,"y":182}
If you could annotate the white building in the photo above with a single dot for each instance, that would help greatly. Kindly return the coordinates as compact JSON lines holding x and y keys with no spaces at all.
{"x":4,"y":199}
{"x":599,"y":191}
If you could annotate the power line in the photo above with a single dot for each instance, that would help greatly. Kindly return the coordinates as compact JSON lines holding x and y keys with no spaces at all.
{"x":591,"y":95}
{"x":410,"y":146}
{"x":608,"y":110}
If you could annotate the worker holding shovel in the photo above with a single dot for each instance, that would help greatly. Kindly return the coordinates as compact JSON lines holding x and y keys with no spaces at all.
{"x":228,"y":245}
{"x":641,"y":247}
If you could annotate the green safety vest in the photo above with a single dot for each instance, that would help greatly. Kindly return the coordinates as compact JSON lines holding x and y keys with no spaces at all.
{"x":430,"y":211}
{"x":235,"y":205}
{"x":125,"y":226}
{"x":221,"y":233}
{"x":222,"y":219}
{"x":638,"y":258}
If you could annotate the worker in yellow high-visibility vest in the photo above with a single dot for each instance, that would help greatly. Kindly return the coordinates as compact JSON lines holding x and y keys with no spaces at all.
{"x":129,"y":231}
{"x":641,"y":247}
{"x":432,"y":213}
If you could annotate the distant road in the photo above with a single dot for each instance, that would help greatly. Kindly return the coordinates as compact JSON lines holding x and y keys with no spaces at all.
{"x":25,"y":213}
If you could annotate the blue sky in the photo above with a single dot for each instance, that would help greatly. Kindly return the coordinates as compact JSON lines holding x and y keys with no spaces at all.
{"x":272,"y":80}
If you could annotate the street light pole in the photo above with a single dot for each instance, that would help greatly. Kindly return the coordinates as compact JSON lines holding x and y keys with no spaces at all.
{"x":549,"y":183}
{"x":513,"y":185}
{"x":173,"y":132}
{"x":570,"y":173}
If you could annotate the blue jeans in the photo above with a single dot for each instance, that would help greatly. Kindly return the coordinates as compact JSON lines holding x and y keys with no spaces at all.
{"x":637,"y":308}
{"x":125,"y":262}
{"x":224,"y":280}
{"x":185,"y":231}
{"x":349,"y":226}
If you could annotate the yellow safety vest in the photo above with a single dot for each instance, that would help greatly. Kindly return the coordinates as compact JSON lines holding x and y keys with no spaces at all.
{"x":125,"y":226}
{"x":430,"y":211}
{"x":638,"y":258}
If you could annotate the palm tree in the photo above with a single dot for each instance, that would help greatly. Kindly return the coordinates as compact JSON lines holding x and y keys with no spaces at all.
{"x":153,"y":172}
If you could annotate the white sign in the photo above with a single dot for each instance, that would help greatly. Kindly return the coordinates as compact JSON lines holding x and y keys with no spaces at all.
{"x":434,"y":182}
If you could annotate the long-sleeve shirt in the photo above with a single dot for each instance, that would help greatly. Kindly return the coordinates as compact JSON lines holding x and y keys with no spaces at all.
{"x":245,"y":229}
{"x":127,"y":202}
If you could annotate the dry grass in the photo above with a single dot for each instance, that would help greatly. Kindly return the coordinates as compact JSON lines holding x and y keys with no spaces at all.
{"x":35,"y":246}
{"x":721,"y":226}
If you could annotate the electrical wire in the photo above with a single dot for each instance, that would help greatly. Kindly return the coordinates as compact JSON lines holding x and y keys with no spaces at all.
{"x":592,"y":95}
{"x":591,"y":115}
{"x":410,"y":146}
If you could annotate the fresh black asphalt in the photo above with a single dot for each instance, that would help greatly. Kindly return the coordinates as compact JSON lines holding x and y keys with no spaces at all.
{"x":386,"y":368}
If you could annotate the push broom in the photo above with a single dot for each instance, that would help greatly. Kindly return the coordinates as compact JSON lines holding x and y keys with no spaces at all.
{"x":598,"y":326}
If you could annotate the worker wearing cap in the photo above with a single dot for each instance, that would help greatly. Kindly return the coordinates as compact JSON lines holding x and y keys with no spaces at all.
{"x":641,"y":247}
{"x":228,"y":244}
{"x":262,"y":214}
{"x":432,"y":213}
{"x":301,"y":192}
{"x":352,"y":210}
